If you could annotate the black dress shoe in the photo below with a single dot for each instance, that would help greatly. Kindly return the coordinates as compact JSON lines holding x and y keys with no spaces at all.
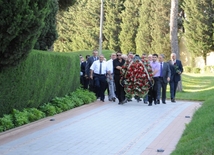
{"x":155,"y":102}
{"x":150,"y":104}
{"x":145,"y":102}
{"x":102,"y":100}
{"x":129,"y":100}
{"x":164,"y":102}
{"x":120,"y":103}
{"x":158,"y":101}
{"x":173,"y":100}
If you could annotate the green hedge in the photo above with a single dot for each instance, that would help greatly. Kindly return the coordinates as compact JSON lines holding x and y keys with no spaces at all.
{"x":43,"y":76}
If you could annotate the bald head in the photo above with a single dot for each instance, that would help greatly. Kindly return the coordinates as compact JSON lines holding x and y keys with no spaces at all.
{"x":173,"y":56}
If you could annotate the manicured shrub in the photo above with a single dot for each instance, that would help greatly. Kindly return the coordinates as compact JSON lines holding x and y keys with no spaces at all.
{"x":34,"y":114}
{"x":49,"y":109}
{"x":6,"y":122}
{"x":20,"y":117}
{"x":43,"y":76}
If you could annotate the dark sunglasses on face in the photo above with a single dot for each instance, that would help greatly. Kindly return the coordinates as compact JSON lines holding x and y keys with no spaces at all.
{"x":118,"y":55}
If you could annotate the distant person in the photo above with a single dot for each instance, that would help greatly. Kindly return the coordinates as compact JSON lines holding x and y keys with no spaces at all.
{"x":176,"y":71}
{"x":165,"y":74}
{"x":81,"y":72}
{"x":85,"y":78}
{"x":90,"y":61}
{"x":98,"y":75}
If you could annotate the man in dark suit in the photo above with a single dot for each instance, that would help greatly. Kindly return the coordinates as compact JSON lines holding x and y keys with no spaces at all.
{"x":90,"y":61}
{"x":164,"y":78}
{"x":83,"y":66}
{"x":176,"y":71}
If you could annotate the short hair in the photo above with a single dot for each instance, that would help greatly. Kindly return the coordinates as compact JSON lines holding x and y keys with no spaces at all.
{"x":87,"y":56}
{"x":162,"y":55}
{"x":155,"y":55}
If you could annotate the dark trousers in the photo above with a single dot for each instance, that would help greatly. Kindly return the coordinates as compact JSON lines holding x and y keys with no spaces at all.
{"x":152,"y":95}
{"x":162,"y":90}
{"x":100,"y":86}
{"x":91,"y":85}
{"x":120,"y":93}
{"x":173,"y":88}
{"x":84,"y":82}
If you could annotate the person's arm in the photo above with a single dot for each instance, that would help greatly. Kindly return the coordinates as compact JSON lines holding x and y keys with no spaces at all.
{"x":92,"y":70}
{"x":168,"y":72}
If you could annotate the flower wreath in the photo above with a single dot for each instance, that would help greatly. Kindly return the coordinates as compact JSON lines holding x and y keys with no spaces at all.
{"x":136,"y":77}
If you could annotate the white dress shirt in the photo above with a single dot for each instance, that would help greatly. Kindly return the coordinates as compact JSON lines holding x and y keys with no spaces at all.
{"x":96,"y":67}
{"x":110,"y":66}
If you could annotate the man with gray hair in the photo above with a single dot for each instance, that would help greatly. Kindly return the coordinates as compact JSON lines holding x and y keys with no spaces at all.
{"x":164,"y":78}
{"x":176,"y":71}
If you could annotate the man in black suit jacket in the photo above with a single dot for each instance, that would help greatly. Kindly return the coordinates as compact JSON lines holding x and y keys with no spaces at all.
{"x":83,"y":66}
{"x":90,"y":61}
{"x":165,"y":74}
{"x":176,"y":71}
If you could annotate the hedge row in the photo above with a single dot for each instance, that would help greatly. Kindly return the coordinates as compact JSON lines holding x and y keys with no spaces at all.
{"x":40,"y":78}
{"x":55,"y":106}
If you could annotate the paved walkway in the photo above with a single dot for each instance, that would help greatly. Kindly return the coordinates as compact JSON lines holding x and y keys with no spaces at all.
{"x":103,"y":129}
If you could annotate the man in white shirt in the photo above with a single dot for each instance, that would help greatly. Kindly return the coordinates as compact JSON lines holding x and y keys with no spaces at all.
{"x":110,"y":78}
{"x":98,"y":74}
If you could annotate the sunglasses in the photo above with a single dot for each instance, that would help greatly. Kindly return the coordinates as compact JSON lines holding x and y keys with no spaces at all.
{"x":118,"y":55}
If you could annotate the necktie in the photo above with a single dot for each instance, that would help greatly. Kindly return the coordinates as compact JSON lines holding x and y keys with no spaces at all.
{"x":161,"y":70}
{"x":100,"y":67}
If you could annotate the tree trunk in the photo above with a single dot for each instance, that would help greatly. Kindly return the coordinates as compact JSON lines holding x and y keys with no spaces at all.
{"x":174,"y":33}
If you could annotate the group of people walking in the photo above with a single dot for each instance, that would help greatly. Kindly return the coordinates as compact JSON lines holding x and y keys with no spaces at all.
{"x":99,"y":75}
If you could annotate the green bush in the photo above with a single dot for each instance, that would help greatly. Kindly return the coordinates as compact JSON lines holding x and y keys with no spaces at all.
{"x":57,"y":105}
{"x":49,"y":109}
{"x":20,"y":117}
{"x":187,"y":69}
{"x":196,"y":70}
{"x":34,"y":114}
{"x":6,"y":122}
{"x":61,"y":103}
{"x":43,"y":76}
{"x":82,"y":94}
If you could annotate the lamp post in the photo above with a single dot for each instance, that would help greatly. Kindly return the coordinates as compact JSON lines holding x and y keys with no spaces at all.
{"x":101,"y":28}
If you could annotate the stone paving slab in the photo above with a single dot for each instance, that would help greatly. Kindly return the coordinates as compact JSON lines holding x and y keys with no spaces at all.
{"x":104,"y":129}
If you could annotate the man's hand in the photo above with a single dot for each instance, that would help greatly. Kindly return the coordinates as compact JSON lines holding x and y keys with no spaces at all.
{"x":91,"y":77}
{"x":168,"y":79}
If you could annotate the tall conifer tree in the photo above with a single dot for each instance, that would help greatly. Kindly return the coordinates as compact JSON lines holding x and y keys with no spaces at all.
{"x":21,"y":25}
{"x":87,"y":26}
{"x":112,"y":24}
{"x":160,"y":27}
{"x":143,"y":39}
{"x":129,"y":25}
{"x":199,"y":26}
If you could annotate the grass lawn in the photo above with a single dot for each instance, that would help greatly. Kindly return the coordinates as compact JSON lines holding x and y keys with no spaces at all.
{"x":198,"y":137}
